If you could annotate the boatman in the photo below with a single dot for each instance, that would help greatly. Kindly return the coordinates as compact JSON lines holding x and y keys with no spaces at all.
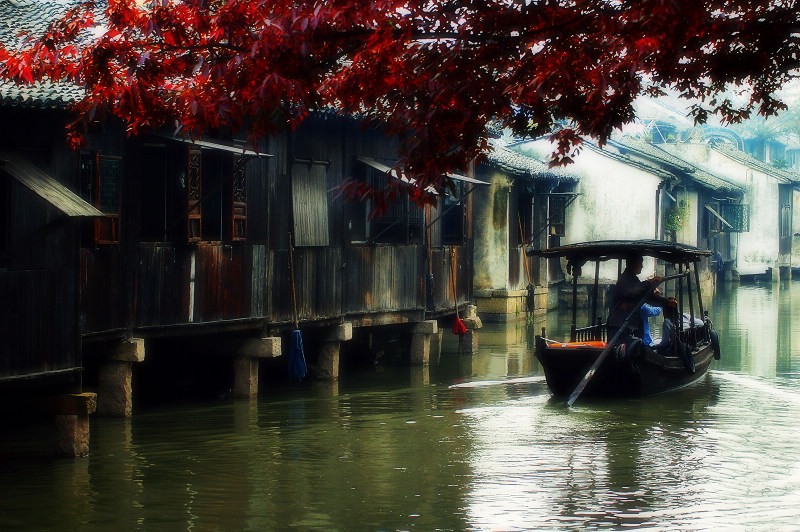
{"x":627,"y":293}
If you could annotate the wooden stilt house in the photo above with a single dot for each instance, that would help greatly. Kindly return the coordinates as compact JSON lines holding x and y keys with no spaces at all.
{"x":209,"y":242}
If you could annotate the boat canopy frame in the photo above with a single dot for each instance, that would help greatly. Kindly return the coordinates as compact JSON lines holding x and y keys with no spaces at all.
{"x":620,"y":249}
{"x":577,"y":254}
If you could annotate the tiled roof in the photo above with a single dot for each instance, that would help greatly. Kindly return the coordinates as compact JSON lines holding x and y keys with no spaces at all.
{"x":678,"y":165}
{"x":786,"y":176}
{"x":29,"y":18}
{"x":612,"y":152}
{"x":518,"y":164}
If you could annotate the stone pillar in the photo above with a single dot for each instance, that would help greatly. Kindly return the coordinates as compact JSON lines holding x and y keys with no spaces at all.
{"x":436,"y":344}
{"x":421,"y":342}
{"x":72,"y":423}
{"x":469,"y":342}
{"x":245,"y":363}
{"x":328,"y":360}
{"x":114,"y":390}
{"x":420,"y":376}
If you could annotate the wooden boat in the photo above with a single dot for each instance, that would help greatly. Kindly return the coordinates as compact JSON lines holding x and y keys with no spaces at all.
{"x":627,"y":367}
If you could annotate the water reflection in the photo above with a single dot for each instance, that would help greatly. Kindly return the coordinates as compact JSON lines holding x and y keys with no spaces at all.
{"x":475,"y":441}
{"x":759,"y":329}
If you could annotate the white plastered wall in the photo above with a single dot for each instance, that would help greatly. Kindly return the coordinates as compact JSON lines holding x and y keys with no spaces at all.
{"x":758,"y":249}
{"x":617,"y":201}
{"x":491,"y":237}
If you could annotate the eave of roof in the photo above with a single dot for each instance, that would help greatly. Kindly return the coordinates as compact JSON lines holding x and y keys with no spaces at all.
{"x":626,"y":159}
{"x":657,"y":154}
{"x":781,"y":175}
{"x":518,"y":164}
{"x":45,"y":186}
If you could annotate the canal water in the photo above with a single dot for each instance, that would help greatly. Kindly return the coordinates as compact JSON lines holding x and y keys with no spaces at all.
{"x":472,"y":443}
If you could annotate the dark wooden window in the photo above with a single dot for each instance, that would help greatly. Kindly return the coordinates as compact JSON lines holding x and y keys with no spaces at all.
{"x":216,"y":195}
{"x":239,"y":214}
{"x":557,"y":206}
{"x":357,"y":225}
{"x":736,"y":214}
{"x":786,"y":220}
{"x":453,"y":213}
{"x":194,"y":206}
{"x":310,"y":204}
{"x":713,"y":224}
{"x":100,"y":183}
{"x":156,"y":214}
{"x":402,"y":223}
{"x":109,"y":177}
{"x":213,"y":202}
{"x":524,"y":223}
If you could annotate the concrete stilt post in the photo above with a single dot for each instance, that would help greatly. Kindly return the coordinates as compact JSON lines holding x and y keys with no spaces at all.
{"x":245,"y":365}
{"x":421,"y":342}
{"x":72,"y":423}
{"x":420,"y":376}
{"x":114,"y":398}
{"x":472,"y":322}
{"x":328,"y":360}
{"x":436,"y":344}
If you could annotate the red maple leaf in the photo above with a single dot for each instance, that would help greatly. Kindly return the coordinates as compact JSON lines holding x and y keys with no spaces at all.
{"x":434,"y":75}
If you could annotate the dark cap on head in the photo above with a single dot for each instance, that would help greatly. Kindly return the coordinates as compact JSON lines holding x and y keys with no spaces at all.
{"x":634,"y":258}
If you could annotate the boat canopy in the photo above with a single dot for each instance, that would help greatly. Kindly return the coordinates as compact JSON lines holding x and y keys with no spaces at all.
{"x":619,"y":249}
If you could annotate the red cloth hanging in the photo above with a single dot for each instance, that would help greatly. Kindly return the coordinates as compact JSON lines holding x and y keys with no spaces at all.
{"x":459,"y":328}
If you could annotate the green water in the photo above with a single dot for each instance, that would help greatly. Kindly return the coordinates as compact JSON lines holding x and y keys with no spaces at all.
{"x":472,"y":443}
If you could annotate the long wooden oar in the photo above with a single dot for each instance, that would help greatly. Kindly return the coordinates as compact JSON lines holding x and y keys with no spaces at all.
{"x":589,"y":374}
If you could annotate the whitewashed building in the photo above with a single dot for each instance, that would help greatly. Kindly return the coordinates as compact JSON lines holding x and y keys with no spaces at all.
{"x":617,"y":198}
{"x":764,"y":219}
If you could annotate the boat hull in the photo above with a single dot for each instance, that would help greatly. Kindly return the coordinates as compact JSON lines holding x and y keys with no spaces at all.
{"x":647,"y":373}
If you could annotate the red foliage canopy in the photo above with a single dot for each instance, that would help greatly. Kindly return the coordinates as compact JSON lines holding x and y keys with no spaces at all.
{"x":434,"y":74}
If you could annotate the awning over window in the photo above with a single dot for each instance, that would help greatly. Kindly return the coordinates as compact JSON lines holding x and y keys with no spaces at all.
{"x":45,"y":186}
{"x":241,"y":150}
{"x":715,"y":213}
{"x":369,"y":161}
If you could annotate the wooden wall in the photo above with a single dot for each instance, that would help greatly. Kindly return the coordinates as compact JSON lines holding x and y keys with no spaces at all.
{"x":176,"y":283}
{"x":39,"y":329}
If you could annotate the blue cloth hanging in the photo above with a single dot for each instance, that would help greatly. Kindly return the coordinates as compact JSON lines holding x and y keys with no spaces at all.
{"x":297,"y":359}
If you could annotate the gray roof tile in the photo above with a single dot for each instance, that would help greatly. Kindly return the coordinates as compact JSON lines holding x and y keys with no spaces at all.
{"x":518,"y":164}
{"x":675,"y":163}
{"x":786,"y":176}
{"x":19,"y":20}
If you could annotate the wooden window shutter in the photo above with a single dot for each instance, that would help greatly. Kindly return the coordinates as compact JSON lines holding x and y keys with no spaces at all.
{"x":194,"y":196}
{"x":108,"y":177}
{"x":738,"y":215}
{"x":240,"y":198}
{"x":310,"y":204}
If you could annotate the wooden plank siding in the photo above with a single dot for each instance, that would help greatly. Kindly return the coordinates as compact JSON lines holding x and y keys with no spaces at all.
{"x":384,"y":278}
{"x":40,"y":330}
{"x":153,"y":280}
{"x":449,"y":263}
{"x":162,"y":283}
{"x":100,"y":310}
{"x":40,"y":268}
